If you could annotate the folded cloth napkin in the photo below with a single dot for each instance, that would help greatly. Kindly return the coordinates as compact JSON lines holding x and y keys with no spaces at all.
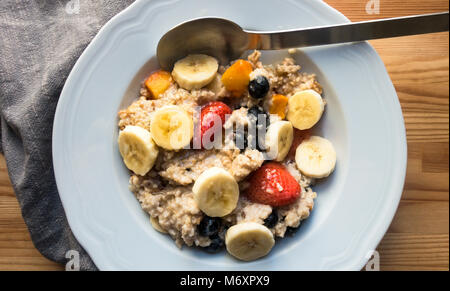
{"x":40,"y":41}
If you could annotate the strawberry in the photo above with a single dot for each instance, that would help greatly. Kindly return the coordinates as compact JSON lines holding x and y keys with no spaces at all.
{"x":211,"y":112}
{"x":299,"y":137}
{"x":273,"y":185}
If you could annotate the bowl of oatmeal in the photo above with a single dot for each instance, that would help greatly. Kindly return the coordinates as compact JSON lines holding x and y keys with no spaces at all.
{"x":305,"y":172}
{"x":225,"y":156}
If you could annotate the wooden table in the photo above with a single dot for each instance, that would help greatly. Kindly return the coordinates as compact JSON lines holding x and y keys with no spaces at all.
{"x":419,"y":68}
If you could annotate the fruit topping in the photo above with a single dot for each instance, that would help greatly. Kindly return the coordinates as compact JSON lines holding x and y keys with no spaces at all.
{"x":158,"y":83}
{"x":316,"y":157}
{"x":209,"y":226}
{"x":138,"y":149}
{"x":216,"y":192}
{"x":249,"y":241}
{"x":237,"y":77}
{"x":155,"y":223}
{"x":259,"y":122}
{"x":259,"y":87}
{"x":216,"y":245}
{"x":272,"y":219}
{"x":172,"y":127}
{"x":305,"y":109}
{"x":195,"y":71}
{"x":279,"y":105}
{"x":273,"y":185}
{"x":290,"y":231}
{"x":213,"y":117}
{"x":258,"y":113}
{"x":279,"y":139}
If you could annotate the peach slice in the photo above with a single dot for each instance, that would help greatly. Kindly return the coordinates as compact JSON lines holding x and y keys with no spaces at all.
{"x":237,"y":77}
{"x":278,"y":106}
{"x":158,"y":83}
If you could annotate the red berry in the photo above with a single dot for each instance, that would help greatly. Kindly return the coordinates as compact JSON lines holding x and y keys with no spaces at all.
{"x":211,"y":112}
{"x":273,"y":185}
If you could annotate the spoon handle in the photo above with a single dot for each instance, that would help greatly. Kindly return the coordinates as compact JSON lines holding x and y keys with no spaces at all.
{"x":349,"y":32}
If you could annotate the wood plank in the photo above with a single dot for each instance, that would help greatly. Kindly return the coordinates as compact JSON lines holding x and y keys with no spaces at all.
{"x":421,"y":217}
{"x":421,"y":79}
{"x":427,"y":172}
{"x":5,"y":184}
{"x":400,"y":251}
{"x":356,"y":9}
{"x":17,"y":252}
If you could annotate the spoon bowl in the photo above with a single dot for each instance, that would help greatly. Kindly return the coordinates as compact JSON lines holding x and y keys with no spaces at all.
{"x":217,"y":37}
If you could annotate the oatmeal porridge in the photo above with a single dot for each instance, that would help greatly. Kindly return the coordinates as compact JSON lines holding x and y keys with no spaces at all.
{"x":223,"y":157}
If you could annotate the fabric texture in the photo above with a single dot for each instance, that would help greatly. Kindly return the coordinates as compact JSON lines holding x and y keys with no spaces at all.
{"x":40,"y":41}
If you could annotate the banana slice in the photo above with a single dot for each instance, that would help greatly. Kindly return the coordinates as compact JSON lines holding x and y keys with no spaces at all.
{"x":195,"y":71}
{"x":172,"y":127}
{"x":216,"y":192}
{"x":216,"y":84}
{"x":155,"y":223}
{"x":305,"y":109}
{"x":316,"y":157}
{"x":279,"y":138}
{"x":138,"y":150}
{"x":249,"y":241}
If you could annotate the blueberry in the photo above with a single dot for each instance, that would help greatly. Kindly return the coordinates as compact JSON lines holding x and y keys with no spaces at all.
{"x":272,"y":219}
{"x":216,"y":245}
{"x":256,"y":111}
{"x":290,"y":231}
{"x":259,"y":87}
{"x":209,"y":226}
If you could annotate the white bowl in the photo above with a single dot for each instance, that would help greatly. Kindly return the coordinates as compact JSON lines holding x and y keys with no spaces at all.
{"x":363,"y":119}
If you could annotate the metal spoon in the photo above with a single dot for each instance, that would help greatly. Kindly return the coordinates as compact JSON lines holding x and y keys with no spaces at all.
{"x":227,"y":41}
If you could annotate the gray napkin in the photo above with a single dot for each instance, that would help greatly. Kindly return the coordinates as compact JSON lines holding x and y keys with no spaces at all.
{"x":40,"y":42}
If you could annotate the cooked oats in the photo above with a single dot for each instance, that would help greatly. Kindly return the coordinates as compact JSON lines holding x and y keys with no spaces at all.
{"x":166,"y":191}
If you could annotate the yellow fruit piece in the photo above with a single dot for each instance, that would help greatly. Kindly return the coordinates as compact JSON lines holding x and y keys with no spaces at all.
{"x":158,"y":83}
{"x":278,"y":107}
{"x":195,"y":71}
{"x":155,"y":223}
{"x":237,"y":77}
{"x":138,"y":150}
{"x":305,"y":109}
{"x":172,"y":127}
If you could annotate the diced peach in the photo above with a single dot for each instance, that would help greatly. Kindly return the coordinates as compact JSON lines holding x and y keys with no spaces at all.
{"x":237,"y":77}
{"x":278,"y":107}
{"x":158,"y":83}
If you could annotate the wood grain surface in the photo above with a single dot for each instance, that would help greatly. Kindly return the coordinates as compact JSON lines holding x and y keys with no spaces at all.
{"x":418,"y":238}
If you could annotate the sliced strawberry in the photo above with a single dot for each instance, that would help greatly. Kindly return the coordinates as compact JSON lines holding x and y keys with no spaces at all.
{"x":299,"y":137}
{"x":211,"y":112}
{"x":273,"y":185}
